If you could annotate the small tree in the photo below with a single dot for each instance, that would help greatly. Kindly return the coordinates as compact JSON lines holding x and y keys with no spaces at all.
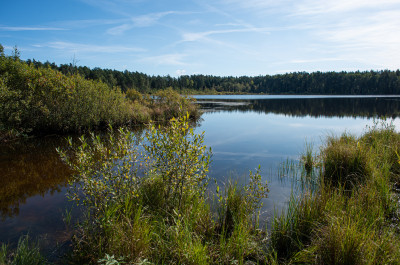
{"x":16,"y":53}
{"x":179,"y":156}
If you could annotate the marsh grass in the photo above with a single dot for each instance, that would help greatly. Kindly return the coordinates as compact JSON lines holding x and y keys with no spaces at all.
{"x":308,"y":160}
{"x":345,"y":162}
{"x":352,"y":217}
{"x":26,"y":253}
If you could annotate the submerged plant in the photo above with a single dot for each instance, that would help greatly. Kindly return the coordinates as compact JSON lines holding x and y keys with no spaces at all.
{"x":26,"y":253}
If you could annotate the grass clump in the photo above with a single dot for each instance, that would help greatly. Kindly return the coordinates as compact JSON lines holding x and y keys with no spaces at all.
{"x":148,"y":203}
{"x":352,"y":217}
{"x":345,"y":162}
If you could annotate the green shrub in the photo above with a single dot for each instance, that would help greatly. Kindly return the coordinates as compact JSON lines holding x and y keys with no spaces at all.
{"x":384,"y":143}
{"x":179,"y":157}
{"x":42,"y":101}
{"x":170,"y":104}
{"x":158,"y":212}
{"x":133,"y":95}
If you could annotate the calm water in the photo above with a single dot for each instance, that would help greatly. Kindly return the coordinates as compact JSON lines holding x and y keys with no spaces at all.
{"x":243,"y":132}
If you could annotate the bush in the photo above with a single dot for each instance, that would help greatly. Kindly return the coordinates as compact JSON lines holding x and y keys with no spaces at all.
{"x":159,"y":212}
{"x":44,"y":100}
{"x":170,"y":104}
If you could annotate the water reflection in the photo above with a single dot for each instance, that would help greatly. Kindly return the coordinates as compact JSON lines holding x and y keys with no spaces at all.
{"x":308,"y":106}
{"x":29,"y":168}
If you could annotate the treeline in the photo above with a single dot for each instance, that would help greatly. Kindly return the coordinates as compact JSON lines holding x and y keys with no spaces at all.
{"x":383,"y":82}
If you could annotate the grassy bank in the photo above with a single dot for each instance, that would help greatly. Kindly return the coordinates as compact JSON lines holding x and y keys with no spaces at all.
{"x":39,"y":101}
{"x":351,"y":217}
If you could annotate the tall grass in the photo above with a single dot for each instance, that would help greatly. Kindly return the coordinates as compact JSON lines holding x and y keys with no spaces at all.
{"x":352,"y":217}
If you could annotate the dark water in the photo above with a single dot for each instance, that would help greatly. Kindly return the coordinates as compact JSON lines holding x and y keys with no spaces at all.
{"x":243,"y":132}
{"x":33,"y":183}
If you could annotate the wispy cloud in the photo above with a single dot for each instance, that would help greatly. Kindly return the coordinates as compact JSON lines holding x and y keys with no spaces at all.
{"x":195,"y":36}
{"x":30,"y":28}
{"x":314,"y":7}
{"x":150,"y":19}
{"x":305,"y":61}
{"x":166,"y":59}
{"x":142,"y":21}
{"x":89,"y":48}
{"x":363,"y":31}
{"x":118,"y":30}
{"x":83,"y":23}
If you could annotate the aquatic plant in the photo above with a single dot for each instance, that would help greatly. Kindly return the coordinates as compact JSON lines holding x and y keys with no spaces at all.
{"x":26,"y":253}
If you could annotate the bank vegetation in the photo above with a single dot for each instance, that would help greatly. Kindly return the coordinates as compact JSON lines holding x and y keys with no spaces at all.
{"x":40,"y":101}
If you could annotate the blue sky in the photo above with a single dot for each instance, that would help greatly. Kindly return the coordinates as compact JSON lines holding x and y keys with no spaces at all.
{"x":220,"y":37}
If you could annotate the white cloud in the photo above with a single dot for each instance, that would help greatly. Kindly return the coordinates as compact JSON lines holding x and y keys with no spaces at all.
{"x":195,"y":36}
{"x":81,"y":23}
{"x":118,"y":30}
{"x":89,"y":48}
{"x":149,"y":19}
{"x":180,"y":72}
{"x":365,"y":32}
{"x":314,"y":7}
{"x":166,"y":59}
{"x":141,"y":21}
{"x":304,"y":61}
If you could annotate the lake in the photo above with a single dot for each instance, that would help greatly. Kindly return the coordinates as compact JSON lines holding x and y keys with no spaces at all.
{"x":243,"y":132}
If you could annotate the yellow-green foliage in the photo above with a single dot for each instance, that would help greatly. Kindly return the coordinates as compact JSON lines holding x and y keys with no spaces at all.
{"x":168,"y":104}
{"x":179,"y":156}
{"x":158,"y":213}
{"x":44,"y":100}
{"x":133,"y":95}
